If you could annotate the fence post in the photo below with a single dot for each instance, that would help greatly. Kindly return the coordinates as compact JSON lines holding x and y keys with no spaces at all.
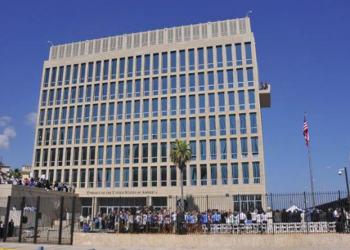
{"x":207,"y":202}
{"x":7,"y":217}
{"x":21,"y":219}
{"x":73,"y":220}
{"x":305,"y":219}
{"x":273,"y":226}
{"x":37,"y":213}
{"x":61,"y":221}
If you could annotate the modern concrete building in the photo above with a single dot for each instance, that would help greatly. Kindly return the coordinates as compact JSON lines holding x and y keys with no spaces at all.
{"x":111,"y":107}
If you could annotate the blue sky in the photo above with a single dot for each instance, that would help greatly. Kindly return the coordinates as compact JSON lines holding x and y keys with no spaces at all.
{"x":302,"y":49}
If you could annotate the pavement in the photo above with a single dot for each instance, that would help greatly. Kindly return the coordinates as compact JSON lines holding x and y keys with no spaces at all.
{"x":16,"y":246}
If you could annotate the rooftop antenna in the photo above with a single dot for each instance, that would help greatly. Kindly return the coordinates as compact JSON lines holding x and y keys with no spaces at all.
{"x":49,"y":42}
{"x":248,"y":13}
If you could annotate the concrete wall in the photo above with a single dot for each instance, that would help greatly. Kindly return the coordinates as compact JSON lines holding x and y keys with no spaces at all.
{"x":294,"y":241}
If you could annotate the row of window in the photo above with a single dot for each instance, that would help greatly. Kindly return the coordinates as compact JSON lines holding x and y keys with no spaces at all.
{"x":157,"y":63}
{"x":172,"y":106}
{"x":194,"y":175}
{"x":163,"y":129}
{"x":143,"y":153}
{"x":147,"y":87}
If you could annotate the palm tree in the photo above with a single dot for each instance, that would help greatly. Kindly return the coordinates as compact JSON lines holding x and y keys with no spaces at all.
{"x":181,"y":154}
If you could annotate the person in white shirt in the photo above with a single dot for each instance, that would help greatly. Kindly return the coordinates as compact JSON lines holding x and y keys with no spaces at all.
{"x":173,"y":217}
{"x":242,"y":218}
{"x":81,"y":220}
{"x":254,"y":213}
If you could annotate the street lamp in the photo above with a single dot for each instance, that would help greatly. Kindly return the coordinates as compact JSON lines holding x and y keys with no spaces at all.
{"x":323,"y":178}
{"x":340,"y":171}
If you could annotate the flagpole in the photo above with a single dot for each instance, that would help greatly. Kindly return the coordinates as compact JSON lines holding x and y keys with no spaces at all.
{"x":311,"y":174}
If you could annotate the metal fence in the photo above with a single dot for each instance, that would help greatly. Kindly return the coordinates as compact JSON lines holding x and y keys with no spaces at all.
{"x":46,"y":220}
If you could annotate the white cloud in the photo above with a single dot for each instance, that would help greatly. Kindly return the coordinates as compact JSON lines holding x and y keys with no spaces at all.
{"x":31,"y":119}
{"x":5,"y":120}
{"x":5,"y":137}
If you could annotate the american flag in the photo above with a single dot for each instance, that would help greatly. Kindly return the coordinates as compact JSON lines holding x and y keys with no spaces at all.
{"x":306,"y":131}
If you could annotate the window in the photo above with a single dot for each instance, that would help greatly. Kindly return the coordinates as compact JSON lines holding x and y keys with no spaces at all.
{"x":164,"y":106}
{"x":183,"y":127}
{"x":214,"y":174}
{"x":228,"y":55}
{"x":82,"y":73}
{"x":92,"y":155}
{"x":164,"y":62}
{"x":224,"y":174}
{"x":51,"y":97}
{"x":130,"y":66}
{"x":44,"y":97}
{"x":120,"y":110}
{"x":125,"y":177}
{"x":111,"y":111}
{"x":192,"y":104}
{"x":136,"y":131}
{"x":255,"y":147}
{"x":210,"y":80}
{"x":155,"y":64}
{"x":137,"y":88}
{"x":223,"y":149}
{"x":253,"y":123}
{"x":191,"y":59}
{"x":238,"y":47}
{"x":155,"y":107}
{"x":221,"y":97}
{"x":200,"y":58}
{"x":96,"y":92}
{"x":98,"y":71}
{"x":82,"y":177}
{"x":81,"y":94}
{"x":173,"y":128}
{"x":99,"y":177}
{"x":53,"y":76}
{"x":93,"y":133}
{"x":163,"y":151}
{"x":129,"y":89}
{"x":57,"y":114}
{"x":103,"y":112}
{"x":201,"y":84}
{"x":256,"y":172}
{"x":90,"y":71}
{"x":241,"y":100}
{"x":202,"y":126}
{"x":192,"y":83}
{"x":240,"y":78}
{"x":62,"y":135}
{"x":220,"y":79}
{"x":138,"y":65}
{"x":144,"y":153}
{"x":210,"y":63}
{"x":145,"y":130}
{"x":102,"y":133}
{"x":144,"y":176}
{"x":219,"y":56}
{"x":250,"y":77}
{"x":245,"y":170}
{"x":233,"y":142}
{"x":211,"y":103}
{"x":117,"y":177}
{"x":119,"y":132}
{"x":46,"y":77}
{"x":173,"y":61}
{"x":183,"y":83}
{"x":118,"y":154}
{"x":193,"y":175}
{"x":121,"y":67}
{"x":63,"y":116}
{"x":53,"y":157}
{"x":126,"y":154}
{"x":212,"y":124}
{"x":146,"y":87}
{"x":127,"y":131}
{"x":202,"y":103}
{"x":135,"y":177}
{"x":154,"y":176}
{"x":145,"y":108}
{"x":114,"y":68}
{"x":71,"y":115}
{"x":231,"y":100}
{"x":248,"y":53}
{"x":91,"y":178}
{"x":244,"y":147}
{"x":108,"y":177}
{"x":100,"y":155}
{"x":182,"y":60}
{"x":77,"y":134}
{"x":173,"y":105}
{"x":234,"y":169}
{"x":88,"y":93}
{"x":213,"y":149}
{"x":242,"y":124}
{"x":154,"y":129}
{"x":193,"y":127}
{"x":173,"y":176}
{"x":173,"y":84}
{"x":251,"y":95}
{"x":110,"y":133}
{"x":154,"y":148}
{"x":73,"y":94}
{"x":193,"y":146}
{"x":230,"y":81}
{"x":47,"y":136}
{"x":76,"y":156}
{"x":164,"y":129}
{"x":68,"y":70}
{"x":204,"y":175}
{"x":68,"y":157}
{"x":183,"y":105}
{"x":147,"y":64}
{"x":222,"y":123}
{"x":128,"y":110}
{"x":58,"y":97}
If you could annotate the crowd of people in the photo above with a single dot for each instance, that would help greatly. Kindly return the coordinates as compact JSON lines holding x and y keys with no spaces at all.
{"x":39,"y":183}
{"x":164,"y":221}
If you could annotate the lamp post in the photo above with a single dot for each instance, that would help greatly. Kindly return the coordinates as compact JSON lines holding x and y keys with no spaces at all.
{"x":323,"y":178}
{"x":347,"y":182}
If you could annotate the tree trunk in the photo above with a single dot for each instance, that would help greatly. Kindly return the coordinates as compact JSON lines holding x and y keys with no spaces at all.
{"x":182,"y":189}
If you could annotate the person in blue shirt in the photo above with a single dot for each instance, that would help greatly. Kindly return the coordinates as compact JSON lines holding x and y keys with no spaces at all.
{"x":86,"y":228}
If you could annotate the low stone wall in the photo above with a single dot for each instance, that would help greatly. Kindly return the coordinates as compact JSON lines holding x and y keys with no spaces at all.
{"x":217,"y":241}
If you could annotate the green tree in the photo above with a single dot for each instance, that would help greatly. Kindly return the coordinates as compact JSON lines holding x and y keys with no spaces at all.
{"x":16,"y":173}
{"x":180,"y":155}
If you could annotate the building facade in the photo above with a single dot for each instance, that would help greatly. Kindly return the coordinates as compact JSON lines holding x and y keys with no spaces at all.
{"x":110,"y":108}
